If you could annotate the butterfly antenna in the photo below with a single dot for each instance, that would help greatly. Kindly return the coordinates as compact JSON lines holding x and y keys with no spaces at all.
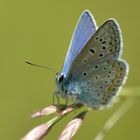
{"x":27,"y":62}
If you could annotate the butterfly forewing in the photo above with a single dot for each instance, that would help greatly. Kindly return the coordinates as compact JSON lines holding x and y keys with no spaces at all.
{"x":85,"y":28}
{"x":105,"y":43}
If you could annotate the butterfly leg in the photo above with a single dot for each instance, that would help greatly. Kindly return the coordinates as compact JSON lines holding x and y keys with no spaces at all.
{"x":76,"y":105}
{"x":53,"y":98}
{"x":55,"y":95}
{"x":66,"y":103}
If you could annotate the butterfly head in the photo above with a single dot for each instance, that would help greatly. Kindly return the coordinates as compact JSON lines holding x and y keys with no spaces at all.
{"x":59,"y":78}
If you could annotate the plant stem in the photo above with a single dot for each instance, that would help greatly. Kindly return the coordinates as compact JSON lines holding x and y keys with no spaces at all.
{"x":117,"y":115}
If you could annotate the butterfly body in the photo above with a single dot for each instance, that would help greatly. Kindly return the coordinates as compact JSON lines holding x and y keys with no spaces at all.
{"x":93,"y":71}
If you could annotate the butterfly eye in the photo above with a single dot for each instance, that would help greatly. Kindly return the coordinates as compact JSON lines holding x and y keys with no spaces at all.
{"x":61,"y":78}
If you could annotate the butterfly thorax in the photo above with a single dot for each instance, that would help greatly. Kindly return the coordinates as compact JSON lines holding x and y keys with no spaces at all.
{"x":65,"y":88}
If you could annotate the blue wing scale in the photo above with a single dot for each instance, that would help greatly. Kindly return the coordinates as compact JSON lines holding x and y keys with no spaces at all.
{"x":84,"y":30}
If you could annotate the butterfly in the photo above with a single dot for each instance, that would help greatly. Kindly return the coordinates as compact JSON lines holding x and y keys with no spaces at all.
{"x":93,"y":71}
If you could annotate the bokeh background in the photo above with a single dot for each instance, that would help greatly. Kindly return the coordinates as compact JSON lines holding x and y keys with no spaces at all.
{"x":40,"y":31}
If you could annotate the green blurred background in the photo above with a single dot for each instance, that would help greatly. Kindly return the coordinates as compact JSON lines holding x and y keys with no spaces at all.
{"x":40,"y":31}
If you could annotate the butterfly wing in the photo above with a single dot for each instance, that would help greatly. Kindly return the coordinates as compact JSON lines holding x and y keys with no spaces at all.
{"x":98,"y":70}
{"x":104,"y":44}
{"x":100,"y":83}
{"x":85,"y":28}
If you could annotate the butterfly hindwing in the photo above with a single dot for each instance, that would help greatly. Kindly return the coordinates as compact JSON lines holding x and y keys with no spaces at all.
{"x":85,"y":28}
{"x":101,"y":82}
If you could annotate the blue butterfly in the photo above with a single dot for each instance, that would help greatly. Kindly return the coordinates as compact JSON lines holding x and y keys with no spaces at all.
{"x":93,"y":72}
